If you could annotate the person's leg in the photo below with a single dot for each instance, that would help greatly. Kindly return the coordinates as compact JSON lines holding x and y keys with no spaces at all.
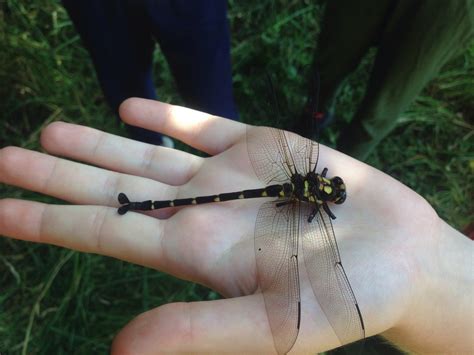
{"x":119,"y":41}
{"x":194,"y":36}
{"x":349,"y":28}
{"x":411,"y":52}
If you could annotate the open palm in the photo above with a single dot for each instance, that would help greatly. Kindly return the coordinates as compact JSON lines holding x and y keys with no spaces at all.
{"x":211,"y":244}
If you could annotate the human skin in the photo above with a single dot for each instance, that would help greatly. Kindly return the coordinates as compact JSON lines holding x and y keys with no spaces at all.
{"x":410,"y":271}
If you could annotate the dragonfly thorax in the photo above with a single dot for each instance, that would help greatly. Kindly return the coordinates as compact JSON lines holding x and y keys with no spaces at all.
{"x":318,"y":188}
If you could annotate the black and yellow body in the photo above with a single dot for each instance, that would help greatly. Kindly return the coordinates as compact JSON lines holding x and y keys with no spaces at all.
{"x":312,"y":188}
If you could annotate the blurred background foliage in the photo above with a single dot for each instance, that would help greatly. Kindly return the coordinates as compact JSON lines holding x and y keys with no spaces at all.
{"x":55,"y":301}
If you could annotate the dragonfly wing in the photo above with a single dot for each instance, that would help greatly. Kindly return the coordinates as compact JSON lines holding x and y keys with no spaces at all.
{"x":276,"y":154}
{"x":305,"y":154}
{"x":276,"y":252}
{"x":269,"y":154}
{"x":328,"y":278}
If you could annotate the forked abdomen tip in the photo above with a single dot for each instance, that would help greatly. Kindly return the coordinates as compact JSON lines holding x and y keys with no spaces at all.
{"x":123,"y":209}
{"x":122,"y":198}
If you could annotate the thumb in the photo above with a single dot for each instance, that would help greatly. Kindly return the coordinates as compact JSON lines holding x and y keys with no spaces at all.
{"x":231,"y":325}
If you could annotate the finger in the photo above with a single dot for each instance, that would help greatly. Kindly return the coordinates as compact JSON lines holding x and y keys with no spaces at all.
{"x":210,"y":134}
{"x":186,"y":245}
{"x":237,"y":325}
{"x":91,"y":229}
{"x":82,"y":143}
{"x":72,"y":181}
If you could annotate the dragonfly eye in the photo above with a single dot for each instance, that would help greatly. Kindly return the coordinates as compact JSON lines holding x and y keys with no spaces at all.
{"x":341,"y":197}
{"x":340,"y":190}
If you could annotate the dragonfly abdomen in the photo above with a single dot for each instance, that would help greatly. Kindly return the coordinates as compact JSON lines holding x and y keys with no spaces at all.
{"x":269,"y":191}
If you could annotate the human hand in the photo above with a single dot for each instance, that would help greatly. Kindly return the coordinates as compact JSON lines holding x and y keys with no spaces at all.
{"x":387,"y":234}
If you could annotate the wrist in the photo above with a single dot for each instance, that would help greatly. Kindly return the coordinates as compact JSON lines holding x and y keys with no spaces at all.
{"x":440,"y":316}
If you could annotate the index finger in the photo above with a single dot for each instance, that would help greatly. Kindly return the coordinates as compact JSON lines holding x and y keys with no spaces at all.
{"x":208,"y":133}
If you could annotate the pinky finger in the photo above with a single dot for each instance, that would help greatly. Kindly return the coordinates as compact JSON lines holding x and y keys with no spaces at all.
{"x":210,"y":134}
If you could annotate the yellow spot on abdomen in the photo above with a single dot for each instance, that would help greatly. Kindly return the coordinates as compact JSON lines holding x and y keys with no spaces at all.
{"x":328,"y":189}
{"x":217,"y":199}
{"x":264,"y":194}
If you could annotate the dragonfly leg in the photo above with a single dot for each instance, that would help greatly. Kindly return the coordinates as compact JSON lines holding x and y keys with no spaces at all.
{"x":324,"y":172}
{"x":328,"y":211}
{"x":313,"y":214}
{"x":282,"y":203}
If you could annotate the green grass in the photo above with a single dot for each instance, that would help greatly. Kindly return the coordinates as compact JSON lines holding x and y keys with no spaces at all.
{"x":55,"y":301}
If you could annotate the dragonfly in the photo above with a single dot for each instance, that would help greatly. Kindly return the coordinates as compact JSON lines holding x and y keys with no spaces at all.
{"x":295,"y":215}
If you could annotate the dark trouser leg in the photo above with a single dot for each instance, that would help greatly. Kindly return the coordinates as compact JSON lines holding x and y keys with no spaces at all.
{"x":119,"y":41}
{"x":194,"y":36}
{"x":349,"y":28}
{"x":412,"y":50}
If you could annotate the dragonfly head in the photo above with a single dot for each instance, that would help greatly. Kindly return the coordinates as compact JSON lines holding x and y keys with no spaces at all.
{"x":339,"y":190}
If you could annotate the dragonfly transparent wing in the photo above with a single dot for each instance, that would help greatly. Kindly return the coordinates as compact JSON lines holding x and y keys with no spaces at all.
{"x":328,"y":278}
{"x":268,"y":151}
{"x":276,"y":252}
{"x":305,"y":153}
{"x":276,"y":154}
